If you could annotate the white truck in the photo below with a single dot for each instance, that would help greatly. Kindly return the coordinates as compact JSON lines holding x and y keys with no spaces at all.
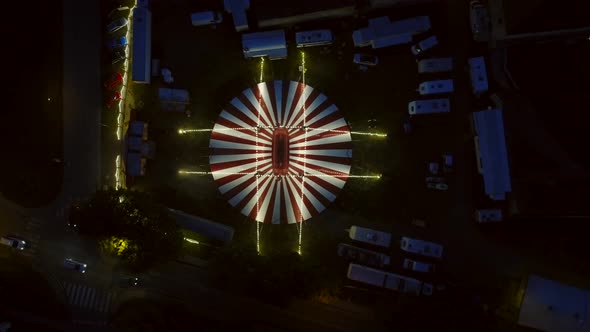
{"x":387,"y":280}
{"x":371,"y":236}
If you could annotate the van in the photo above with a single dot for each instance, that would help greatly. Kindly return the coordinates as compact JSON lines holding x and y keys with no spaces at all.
{"x":488,"y":215}
{"x":436,"y":87}
{"x":424,"y":45}
{"x":478,"y":75}
{"x":429,"y":106}
{"x":371,"y":236}
{"x":435,"y":65}
{"x":206,"y":18}
{"x":313,"y":38}
{"x":421,"y":247}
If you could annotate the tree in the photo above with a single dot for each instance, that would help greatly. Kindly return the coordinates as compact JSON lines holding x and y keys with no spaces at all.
{"x":130,"y":225}
{"x":277,"y":277}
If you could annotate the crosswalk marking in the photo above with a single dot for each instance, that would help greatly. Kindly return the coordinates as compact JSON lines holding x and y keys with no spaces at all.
{"x":86,"y":297}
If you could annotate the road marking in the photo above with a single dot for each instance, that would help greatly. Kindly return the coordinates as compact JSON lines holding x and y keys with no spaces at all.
{"x":90,"y":298}
{"x":106,"y":303}
{"x":74,"y":294}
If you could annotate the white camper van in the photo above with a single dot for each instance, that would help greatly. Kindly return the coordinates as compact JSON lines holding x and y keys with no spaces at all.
{"x":206,"y":18}
{"x":478,"y":75}
{"x":436,"y":87}
{"x":435,"y":65}
{"x":429,"y":106}
{"x":421,"y":247}
{"x":424,"y":45}
{"x":313,"y":38}
{"x":371,"y":236}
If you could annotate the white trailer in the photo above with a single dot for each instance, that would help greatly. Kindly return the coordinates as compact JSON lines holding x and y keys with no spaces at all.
{"x":206,"y":18}
{"x":436,"y":87}
{"x":371,"y":236}
{"x":435,"y":65}
{"x":429,"y":106}
{"x":267,"y":43}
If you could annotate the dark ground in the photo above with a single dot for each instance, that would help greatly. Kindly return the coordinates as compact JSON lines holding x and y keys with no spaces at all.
{"x":31,"y":123}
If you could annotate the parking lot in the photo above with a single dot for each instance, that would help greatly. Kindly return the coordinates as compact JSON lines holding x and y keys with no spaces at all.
{"x":208,"y":62}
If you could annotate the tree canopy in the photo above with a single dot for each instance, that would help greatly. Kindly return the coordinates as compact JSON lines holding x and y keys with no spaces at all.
{"x":276,"y":277}
{"x":129,"y":224}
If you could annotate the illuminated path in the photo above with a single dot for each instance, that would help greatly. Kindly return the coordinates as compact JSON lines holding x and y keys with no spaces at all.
{"x":312,"y":152}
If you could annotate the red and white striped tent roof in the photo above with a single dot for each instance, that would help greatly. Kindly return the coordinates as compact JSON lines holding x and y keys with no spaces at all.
{"x":280,"y":152}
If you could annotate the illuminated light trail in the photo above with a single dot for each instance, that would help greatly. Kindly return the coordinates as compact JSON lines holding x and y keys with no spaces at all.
{"x":259,"y":110}
{"x":123,"y":92}
{"x":302,"y":187}
{"x":117,"y":171}
{"x":189,"y":240}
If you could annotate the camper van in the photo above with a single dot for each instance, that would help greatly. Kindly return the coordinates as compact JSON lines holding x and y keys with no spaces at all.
{"x":435,"y":65}
{"x":424,"y":45}
{"x":436,"y":87}
{"x":206,"y":18}
{"x":313,"y":38}
{"x":478,"y":75}
{"x":371,"y":236}
{"x":421,"y":247}
{"x":429,"y":106}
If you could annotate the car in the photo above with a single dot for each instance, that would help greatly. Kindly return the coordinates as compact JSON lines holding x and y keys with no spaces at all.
{"x":75,"y":265}
{"x":424,"y":45}
{"x":113,"y":99}
{"x":365,"y":59}
{"x":117,"y":25}
{"x":114,"y":81}
{"x":437,"y":186}
{"x":479,"y":19}
{"x":417,"y":266}
{"x":13,"y":242}
{"x":126,"y":282}
{"x":421,"y":247}
{"x":117,"y":42}
{"x":117,"y":56}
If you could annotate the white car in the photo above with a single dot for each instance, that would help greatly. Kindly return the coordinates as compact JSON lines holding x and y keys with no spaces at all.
{"x":365,"y":59}
{"x":437,"y":186}
{"x":117,"y":25}
{"x":424,"y":45}
{"x":417,"y":266}
{"x":13,"y":242}
{"x":421,"y":247}
{"x":75,"y":265}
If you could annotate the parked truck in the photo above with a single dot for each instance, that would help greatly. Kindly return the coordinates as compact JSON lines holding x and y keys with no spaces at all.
{"x":371,"y":236}
{"x":388,"y":280}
